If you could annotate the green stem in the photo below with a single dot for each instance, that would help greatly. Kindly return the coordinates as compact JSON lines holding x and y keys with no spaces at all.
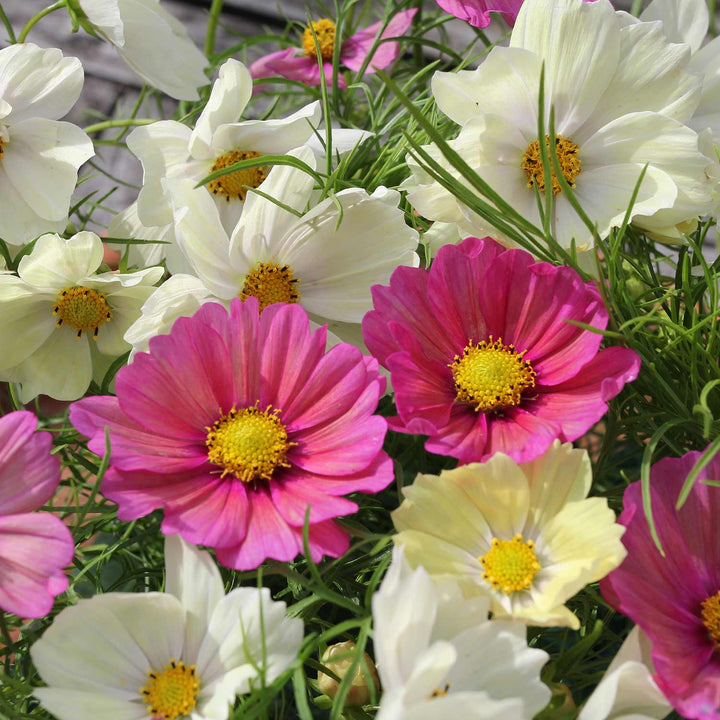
{"x":8,"y":26}
{"x":34,"y":20}
{"x":215,"y":10}
{"x":125,"y":122}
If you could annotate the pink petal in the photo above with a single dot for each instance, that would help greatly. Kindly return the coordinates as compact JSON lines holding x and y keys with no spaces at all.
{"x":34,"y":548}
{"x":356,"y":49}
{"x":29,"y":475}
{"x":290,"y":65}
{"x":292,"y":501}
{"x":522,"y":435}
{"x":464,"y":437}
{"x":477,"y":12}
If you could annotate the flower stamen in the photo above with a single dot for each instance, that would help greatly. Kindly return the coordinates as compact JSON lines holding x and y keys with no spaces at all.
{"x":710,"y":614}
{"x":236,"y":184}
{"x":510,"y":565}
{"x":270,"y":283}
{"x":82,"y":308}
{"x":325,"y":33}
{"x":249,"y":444}
{"x":173,"y":692}
{"x":567,"y":154}
{"x":491,"y":375}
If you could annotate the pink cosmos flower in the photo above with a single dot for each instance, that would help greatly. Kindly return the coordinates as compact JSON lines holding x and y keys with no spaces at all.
{"x":34,"y":547}
{"x":675,"y":599}
{"x":235,"y":424}
{"x":477,"y":12}
{"x":483,"y":355}
{"x":302,"y":63}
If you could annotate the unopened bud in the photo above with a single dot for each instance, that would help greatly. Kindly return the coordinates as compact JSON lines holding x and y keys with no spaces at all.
{"x":339,"y":658}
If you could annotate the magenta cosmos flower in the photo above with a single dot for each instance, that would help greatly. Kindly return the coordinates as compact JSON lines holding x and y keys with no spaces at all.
{"x":483,"y":355}
{"x":235,"y":424}
{"x":34,"y":547}
{"x":675,"y":599}
{"x":302,"y":64}
{"x":477,"y":12}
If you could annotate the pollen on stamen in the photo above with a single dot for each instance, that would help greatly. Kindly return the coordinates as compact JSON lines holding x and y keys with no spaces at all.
{"x":236,"y":184}
{"x":567,"y":154}
{"x":83,"y":309}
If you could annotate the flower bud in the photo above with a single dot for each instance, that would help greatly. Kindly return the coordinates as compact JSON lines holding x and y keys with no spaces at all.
{"x":339,"y":658}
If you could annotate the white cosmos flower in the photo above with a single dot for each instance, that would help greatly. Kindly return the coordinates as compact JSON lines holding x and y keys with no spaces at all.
{"x":184,"y":653}
{"x":438,"y":655}
{"x":322,"y":259}
{"x":60,"y":323}
{"x":627,"y":690}
{"x":39,"y":156}
{"x":153,"y":43}
{"x":524,"y":534}
{"x":622,"y":96}
{"x":169,"y":149}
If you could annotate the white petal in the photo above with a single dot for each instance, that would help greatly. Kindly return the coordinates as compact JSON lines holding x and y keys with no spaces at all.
{"x":684,"y":21}
{"x":505,"y":84}
{"x":152,"y":37}
{"x":275,"y":137}
{"x":67,"y":704}
{"x":38,"y":83}
{"x":579,"y":44}
{"x":160,"y":147}
{"x":202,"y":238}
{"x":193,"y":578}
{"x":41,"y":161}
{"x":105,"y":16}
{"x":228,"y":98}
{"x":56,"y":263}
{"x":337,"y":264}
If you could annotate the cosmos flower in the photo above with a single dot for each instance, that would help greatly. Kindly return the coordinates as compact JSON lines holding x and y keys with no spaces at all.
{"x":302,"y":64}
{"x":484,"y":356}
{"x":623,"y":98}
{"x":183,"y":653}
{"x":39,"y":156}
{"x":675,"y":599}
{"x":439,"y":656}
{"x":146,"y":35}
{"x":477,"y":12}
{"x":236,"y":424}
{"x":61,"y":324}
{"x":526,"y":535}
{"x":34,"y":546}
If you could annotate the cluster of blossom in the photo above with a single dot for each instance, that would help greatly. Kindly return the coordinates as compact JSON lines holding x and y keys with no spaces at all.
{"x":267,"y":317}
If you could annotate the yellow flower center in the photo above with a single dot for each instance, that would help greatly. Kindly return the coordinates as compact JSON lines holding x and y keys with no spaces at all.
{"x":82,"y":308}
{"x":236,"y":184}
{"x":172,"y":692}
{"x":491,"y":376}
{"x":325,"y":33}
{"x":270,"y":283}
{"x":510,"y":565}
{"x":710,"y":614}
{"x":249,"y":444}
{"x":567,"y":153}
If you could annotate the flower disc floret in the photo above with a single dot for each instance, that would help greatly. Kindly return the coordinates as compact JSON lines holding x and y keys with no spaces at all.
{"x":250,"y":444}
{"x":567,"y":154}
{"x":82,"y":308}
{"x":172,"y":692}
{"x":491,"y":375}
{"x":510,"y":565}
{"x":236,"y":184}
{"x":270,"y":283}
{"x":325,"y":33}
{"x":710,"y":614}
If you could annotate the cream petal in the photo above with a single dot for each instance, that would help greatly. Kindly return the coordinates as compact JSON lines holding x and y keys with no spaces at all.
{"x":105,"y":16}
{"x":579,"y":44}
{"x":67,"y":704}
{"x":56,"y":263}
{"x":41,"y":161}
{"x":229,"y":96}
{"x":38,"y":83}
